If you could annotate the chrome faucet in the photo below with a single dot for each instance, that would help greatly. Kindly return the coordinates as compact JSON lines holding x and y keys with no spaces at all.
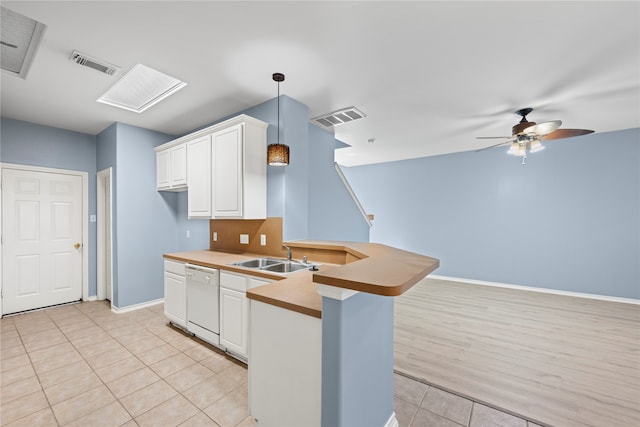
{"x":288,"y":252}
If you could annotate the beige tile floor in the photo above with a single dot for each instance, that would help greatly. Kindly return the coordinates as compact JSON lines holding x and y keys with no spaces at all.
{"x":82,"y":365}
{"x":420,"y":405}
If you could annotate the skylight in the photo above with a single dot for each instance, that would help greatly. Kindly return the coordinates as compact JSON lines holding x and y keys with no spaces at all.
{"x":141,"y":88}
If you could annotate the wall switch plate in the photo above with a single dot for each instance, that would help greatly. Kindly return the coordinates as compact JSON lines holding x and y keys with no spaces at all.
{"x":92,"y":218}
{"x":244,"y":239}
{"x":263,"y":239}
{"x":188,"y":234}
{"x":215,"y":236}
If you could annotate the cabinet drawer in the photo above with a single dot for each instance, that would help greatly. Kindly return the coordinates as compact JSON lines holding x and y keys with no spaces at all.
{"x":254,"y":283}
{"x":233,"y":281}
{"x":174,"y":267}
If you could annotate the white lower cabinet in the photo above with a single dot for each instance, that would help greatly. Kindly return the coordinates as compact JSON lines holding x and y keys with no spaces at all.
{"x":175,"y":293}
{"x":234,"y":309}
{"x":234,"y":312}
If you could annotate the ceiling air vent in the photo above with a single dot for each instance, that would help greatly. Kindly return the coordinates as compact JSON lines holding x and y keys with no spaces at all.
{"x":339,"y":117}
{"x":96,"y":64}
{"x":19,"y":40}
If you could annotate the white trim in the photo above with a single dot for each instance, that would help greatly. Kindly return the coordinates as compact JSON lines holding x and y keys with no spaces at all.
{"x":542,"y":290}
{"x":136,"y":306}
{"x":101,"y":268}
{"x":333,"y":292}
{"x":85,"y":213}
{"x":242,"y":118}
{"x":392,"y":421}
{"x":352,"y":194}
{"x":91,"y":298}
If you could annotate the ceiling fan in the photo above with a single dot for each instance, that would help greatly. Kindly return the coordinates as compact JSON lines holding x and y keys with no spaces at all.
{"x":527,"y":136}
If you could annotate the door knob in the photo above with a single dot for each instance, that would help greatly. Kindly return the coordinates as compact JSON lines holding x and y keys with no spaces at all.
{"x":77,"y":245}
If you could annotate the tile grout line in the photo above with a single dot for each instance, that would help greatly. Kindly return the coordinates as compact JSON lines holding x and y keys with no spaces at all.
{"x":35,"y":372}
{"x":67,"y":340}
{"x":473,"y":400}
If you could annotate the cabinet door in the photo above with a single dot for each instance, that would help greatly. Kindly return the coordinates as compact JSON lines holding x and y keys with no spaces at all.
{"x":163,"y":165}
{"x":234,"y":318}
{"x":175,"y":298}
{"x":199,"y":178}
{"x":179,"y":165}
{"x":227,"y":172}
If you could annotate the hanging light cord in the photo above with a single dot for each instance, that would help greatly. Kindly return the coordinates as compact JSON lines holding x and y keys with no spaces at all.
{"x":278,"y":112}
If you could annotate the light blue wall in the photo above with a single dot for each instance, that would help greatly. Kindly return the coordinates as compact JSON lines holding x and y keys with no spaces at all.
{"x":198,"y":228}
{"x":357,"y":361}
{"x":35,"y":145}
{"x":568,"y":220}
{"x":295,"y":130}
{"x":148,"y":223}
{"x":307,"y":194}
{"x":332,"y":213}
{"x":146,"y":218}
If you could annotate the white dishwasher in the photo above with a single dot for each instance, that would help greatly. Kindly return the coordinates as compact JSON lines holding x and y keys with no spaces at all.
{"x":203,"y":302}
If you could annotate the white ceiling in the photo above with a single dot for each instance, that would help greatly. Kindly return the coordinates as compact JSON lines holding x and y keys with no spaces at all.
{"x":431,"y":76}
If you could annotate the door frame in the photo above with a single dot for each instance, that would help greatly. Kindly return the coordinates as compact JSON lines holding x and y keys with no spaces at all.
{"x":85,"y":218}
{"x":101,"y":242}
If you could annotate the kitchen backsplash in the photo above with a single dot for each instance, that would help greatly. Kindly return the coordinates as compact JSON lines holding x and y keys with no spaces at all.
{"x":228,"y":233}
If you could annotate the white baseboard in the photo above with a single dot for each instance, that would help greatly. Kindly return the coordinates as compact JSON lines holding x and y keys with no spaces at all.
{"x":134,"y":307}
{"x":535,"y":289}
{"x":393,"y":421}
{"x":91,"y":298}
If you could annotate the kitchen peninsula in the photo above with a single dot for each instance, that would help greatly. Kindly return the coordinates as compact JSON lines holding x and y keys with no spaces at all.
{"x":321,"y":342}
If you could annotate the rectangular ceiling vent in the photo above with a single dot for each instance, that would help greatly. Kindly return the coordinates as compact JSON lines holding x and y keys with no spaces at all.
{"x":96,"y":64}
{"x":339,"y":117}
{"x":20,"y":39}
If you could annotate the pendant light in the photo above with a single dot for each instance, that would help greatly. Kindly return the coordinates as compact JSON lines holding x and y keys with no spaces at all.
{"x":278,"y":154}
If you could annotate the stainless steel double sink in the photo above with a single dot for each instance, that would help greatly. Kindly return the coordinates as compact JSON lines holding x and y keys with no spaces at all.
{"x":273,"y":265}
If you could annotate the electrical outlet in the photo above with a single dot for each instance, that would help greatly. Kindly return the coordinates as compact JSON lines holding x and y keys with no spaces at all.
{"x":244,"y":239}
{"x":263,"y":239}
{"x":215,"y":236}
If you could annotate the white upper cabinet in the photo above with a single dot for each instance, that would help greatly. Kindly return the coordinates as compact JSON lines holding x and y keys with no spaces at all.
{"x":240,"y":172}
{"x":223,"y":166}
{"x":163,"y":172}
{"x":199,"y":177}
{"x":171,"y":168}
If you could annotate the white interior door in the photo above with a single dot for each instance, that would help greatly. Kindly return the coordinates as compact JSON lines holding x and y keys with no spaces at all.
{"x":42,"y":239}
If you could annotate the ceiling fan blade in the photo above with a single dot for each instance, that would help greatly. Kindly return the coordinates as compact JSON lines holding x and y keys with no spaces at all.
{"x":495,"y":145}
{"x":566,"y":133}
{"x":542,"y":129}
{"x":494,"y":137}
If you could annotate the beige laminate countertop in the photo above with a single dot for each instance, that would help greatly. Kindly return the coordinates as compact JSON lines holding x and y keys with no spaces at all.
{"x":376,"y":269}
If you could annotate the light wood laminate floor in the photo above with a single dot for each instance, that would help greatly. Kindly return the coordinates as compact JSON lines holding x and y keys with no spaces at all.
{"x":553,"y":359}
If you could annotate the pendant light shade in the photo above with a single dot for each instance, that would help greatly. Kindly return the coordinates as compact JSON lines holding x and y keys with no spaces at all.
{"x":278,"y":154}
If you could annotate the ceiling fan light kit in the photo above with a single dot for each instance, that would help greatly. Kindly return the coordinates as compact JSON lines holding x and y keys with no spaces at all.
{"x":517,"y":149}
{"x":527,"y":136}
